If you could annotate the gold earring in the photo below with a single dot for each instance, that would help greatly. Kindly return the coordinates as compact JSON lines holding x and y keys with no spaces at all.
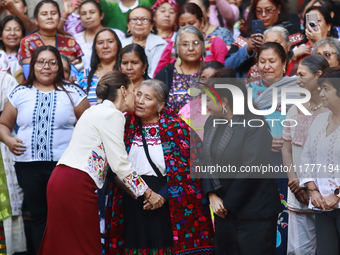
{"x":319,"y":88}
{"x":179,"y":61}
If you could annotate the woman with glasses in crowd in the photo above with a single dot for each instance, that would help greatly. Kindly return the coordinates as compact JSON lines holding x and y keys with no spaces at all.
{"x":140,"y":26}
{"x":329,"y":48}
{"x":301,"y":231}
{"x":242,"y":54}
{"x":181,"y":75}
{"x":45,"y":109}
{"x":47,"y":16}
{"x":191,"y":14}
{"x":322,"y":148}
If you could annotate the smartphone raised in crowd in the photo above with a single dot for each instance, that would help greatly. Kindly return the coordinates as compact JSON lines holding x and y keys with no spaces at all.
{"x":312,"y":20}
{"x":257,"y":27}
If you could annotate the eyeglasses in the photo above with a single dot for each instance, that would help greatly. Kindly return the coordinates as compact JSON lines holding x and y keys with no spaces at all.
{"x":186,"y":45}
{"x":327,"y":54}
{"x":142,"y":20}
{"x":266,"y":11}
{"x":52,"y":63}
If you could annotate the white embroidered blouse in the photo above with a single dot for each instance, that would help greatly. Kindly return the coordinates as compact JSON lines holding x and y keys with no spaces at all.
{"x":324,"y":152}
{"x":97,"y":142}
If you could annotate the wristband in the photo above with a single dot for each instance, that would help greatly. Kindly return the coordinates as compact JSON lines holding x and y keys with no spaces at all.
{"x":149,"y":194}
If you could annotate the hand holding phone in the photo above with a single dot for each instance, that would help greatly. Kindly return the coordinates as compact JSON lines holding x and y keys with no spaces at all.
{"x":312,"y":21}
{"x":257,"y":27}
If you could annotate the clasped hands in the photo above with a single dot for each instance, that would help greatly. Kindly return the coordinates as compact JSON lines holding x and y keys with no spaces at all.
{"x":153,"y":200}
{"x":324,"y":203}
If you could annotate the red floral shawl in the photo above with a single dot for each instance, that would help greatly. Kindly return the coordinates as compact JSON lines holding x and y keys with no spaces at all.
{"x":190,"y":215}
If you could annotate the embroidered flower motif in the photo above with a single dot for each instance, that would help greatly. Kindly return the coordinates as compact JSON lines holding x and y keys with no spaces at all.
{"x":71,"y":43}
{"x":152,"y":131}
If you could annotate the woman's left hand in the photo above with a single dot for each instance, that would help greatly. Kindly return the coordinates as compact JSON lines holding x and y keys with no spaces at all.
{"x":331,"y":201}
{"x":313,"y":35}
{"x":277,"y":144}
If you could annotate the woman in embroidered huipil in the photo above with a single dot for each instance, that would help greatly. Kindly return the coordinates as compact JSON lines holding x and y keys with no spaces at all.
{"x":322,"y":148}
{"x":96,"y":144}
{"x":301,"y":231}
{"x":105,"y":49}
{"x":45,"y":110}
{"x":47,"y":16}
{"x":180,"y":222}
{"x":180,"y":75}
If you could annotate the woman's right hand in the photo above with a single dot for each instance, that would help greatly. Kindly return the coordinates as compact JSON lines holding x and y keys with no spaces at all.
{"x":217,"y":206}
{"x":154,"y":201}
{"x":15,"y":145}
{"x":255,"y":41}
{"x":302,"y":50}
{"x":318,"y":200}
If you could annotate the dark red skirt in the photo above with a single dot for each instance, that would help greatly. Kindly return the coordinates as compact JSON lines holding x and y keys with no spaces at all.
{"x":72,"y":219}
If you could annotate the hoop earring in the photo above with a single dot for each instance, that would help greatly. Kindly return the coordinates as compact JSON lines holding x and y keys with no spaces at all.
{"x":224,"y":110}
{"x":179,"y":61}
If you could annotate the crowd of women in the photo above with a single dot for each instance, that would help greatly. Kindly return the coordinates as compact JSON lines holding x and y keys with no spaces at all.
{"x":102,"y":127}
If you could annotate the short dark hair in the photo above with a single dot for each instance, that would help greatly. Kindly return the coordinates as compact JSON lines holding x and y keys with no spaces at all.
{"x":328,"y":19}
{"x":139,"y":51}
{"x":283,"y":16}
{"x":41,"y":3}
{"x":276,"y":47}
{"x":95,"y":59}
{"x":315,"y":63}
{"x":331,"y":75}
{"x":3,"y":24}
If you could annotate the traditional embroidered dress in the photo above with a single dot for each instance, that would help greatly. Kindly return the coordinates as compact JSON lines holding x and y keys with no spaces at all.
{"x":191,"y":226}
{"x":178,"y":94}
{"x":65,"y":44}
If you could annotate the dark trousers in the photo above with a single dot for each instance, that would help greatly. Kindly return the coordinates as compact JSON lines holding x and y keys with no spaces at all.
{"x":327,"y":226}
{"x":244,"y":237}
{"x":33,"y":178}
